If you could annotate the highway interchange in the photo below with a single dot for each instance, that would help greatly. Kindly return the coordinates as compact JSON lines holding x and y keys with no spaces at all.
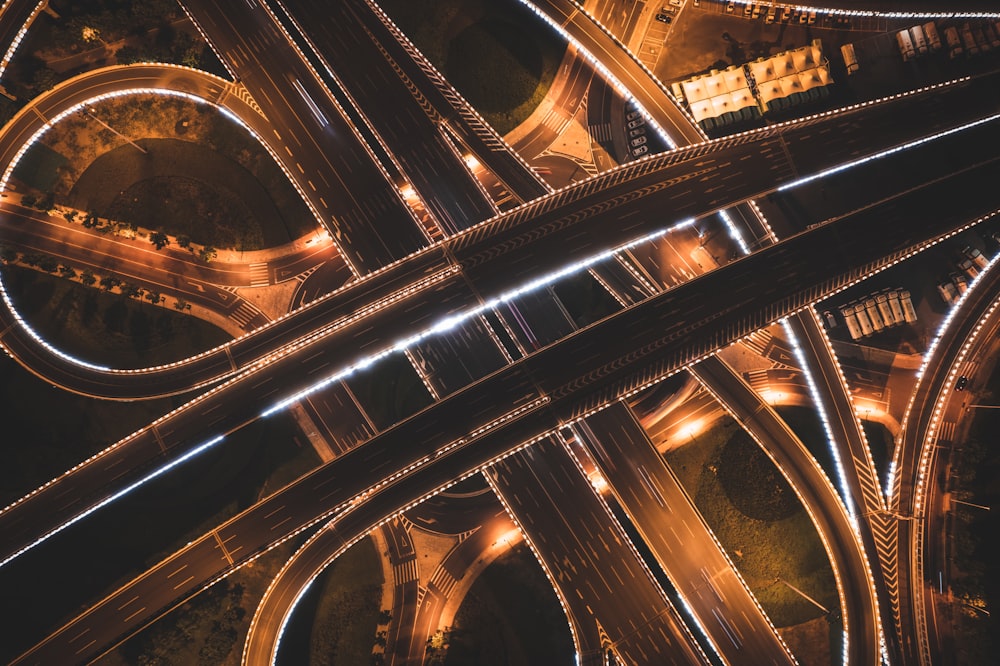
{"x":527,"y":400}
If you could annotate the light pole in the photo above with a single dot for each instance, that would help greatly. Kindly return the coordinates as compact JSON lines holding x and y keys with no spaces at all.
{"x":972,"y":504}
{"x":90,"y":114}
{"x":803,"y":595}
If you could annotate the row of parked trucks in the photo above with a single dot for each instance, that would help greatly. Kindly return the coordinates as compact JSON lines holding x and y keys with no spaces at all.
{"x":868,"y":316}
{"x":969,"y":38}
{"x":971,"y":263}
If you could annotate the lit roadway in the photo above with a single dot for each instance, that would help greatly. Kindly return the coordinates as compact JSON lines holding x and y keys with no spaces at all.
{"x":515,"y":247}
{"x":559,"y":383}
{"x":168,"y":271}
{"x":929,"y":550}
{"x":357,"y":59}
{"x":624,"y":67}
{"x":611,"y":597}
{"x":848,"y":559}
{"x":343,"y":183}
{"x":386,"y":80}
{"x":689,"y":183}
{"x":931,"y":418}
{"x":679,"y":538}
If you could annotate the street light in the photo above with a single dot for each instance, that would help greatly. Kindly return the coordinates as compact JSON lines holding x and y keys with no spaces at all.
{"x":972,"y":504}
{"x":90,"y":114}
{"x":802,"y":594}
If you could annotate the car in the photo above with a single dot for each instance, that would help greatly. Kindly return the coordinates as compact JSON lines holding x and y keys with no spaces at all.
{"x":632,"y":124}
{"x":677,"y":3}
{"x":812,"y":17}
{"x":638,"y":141}
{"x":747,"y":10}
{"x":803,"y":17}
{"x":638,"y":131}
{"x":831,"y":321}
{"x":730,"y":7}
{"x":663,"y":18}
{"x":787,"y":14}
{"x":770,"y":15}
{"x":632,"y":115}
{"x":962,"y":382}
{"x":757,"y":9}
{"x":640,"y":150}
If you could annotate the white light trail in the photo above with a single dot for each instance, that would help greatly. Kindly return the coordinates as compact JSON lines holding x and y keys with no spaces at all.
{"x":453,"y":321}
{"x":111,"y":498}
{"x":885,"y":153}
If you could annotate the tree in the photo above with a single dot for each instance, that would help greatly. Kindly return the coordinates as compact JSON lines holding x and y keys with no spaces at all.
{"x":29,"y":200}
{"x":87,"y":279}
{"x":44,"y":79}
{"x":8,"y":254}
{"x":159,"y":240}
{"x":184,"y":241}
{"x":49,"y":264}
{"x":208,"y":253}
{"x":181,"y":304}
{"x":154,"y":297}
{"x":67,"y":272}
{"x":46,"y":202}
{"x":127,"y":55}
{"x":90,"y":221}
{"x":130,"y":290}
{"x":109,"y":282}
{"x":70,"y":215}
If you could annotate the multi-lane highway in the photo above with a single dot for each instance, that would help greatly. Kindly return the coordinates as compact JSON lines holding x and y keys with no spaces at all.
{"x":505,"y":245}
{"x":591,"y":560}
{"x":603,"y":212}
{"x":559,"y":383}
{"x":681,"y":541}
{"x":508,"y":250}
{"x":344,"y":183}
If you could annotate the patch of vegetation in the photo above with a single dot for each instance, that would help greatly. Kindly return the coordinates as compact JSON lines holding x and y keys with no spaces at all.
{"x":806,"y":425}
{"x":498,"y":55}
{"x":110,"y":30}
{"x":389,"y":391}
{"x":511,"y":615}
{"x":585,"y":299}
{"x":763,"y":550}
{"x":40,"y":167}
{"x":201,"y":174}
{"x":109,"y":329}
{"x":180,"y":206}
{"x":347,"y":612}
{"x":767,"y":497}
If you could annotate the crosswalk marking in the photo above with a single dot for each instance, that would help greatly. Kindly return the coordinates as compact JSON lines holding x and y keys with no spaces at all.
{"x":259,"y":275}
{"x":243,"y":314}
{"x":758,"y":380}
{"x":406,"y":571}
{"x":443,"y":581}
{"x":601,"y":132}
{"x":758,"y":341}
